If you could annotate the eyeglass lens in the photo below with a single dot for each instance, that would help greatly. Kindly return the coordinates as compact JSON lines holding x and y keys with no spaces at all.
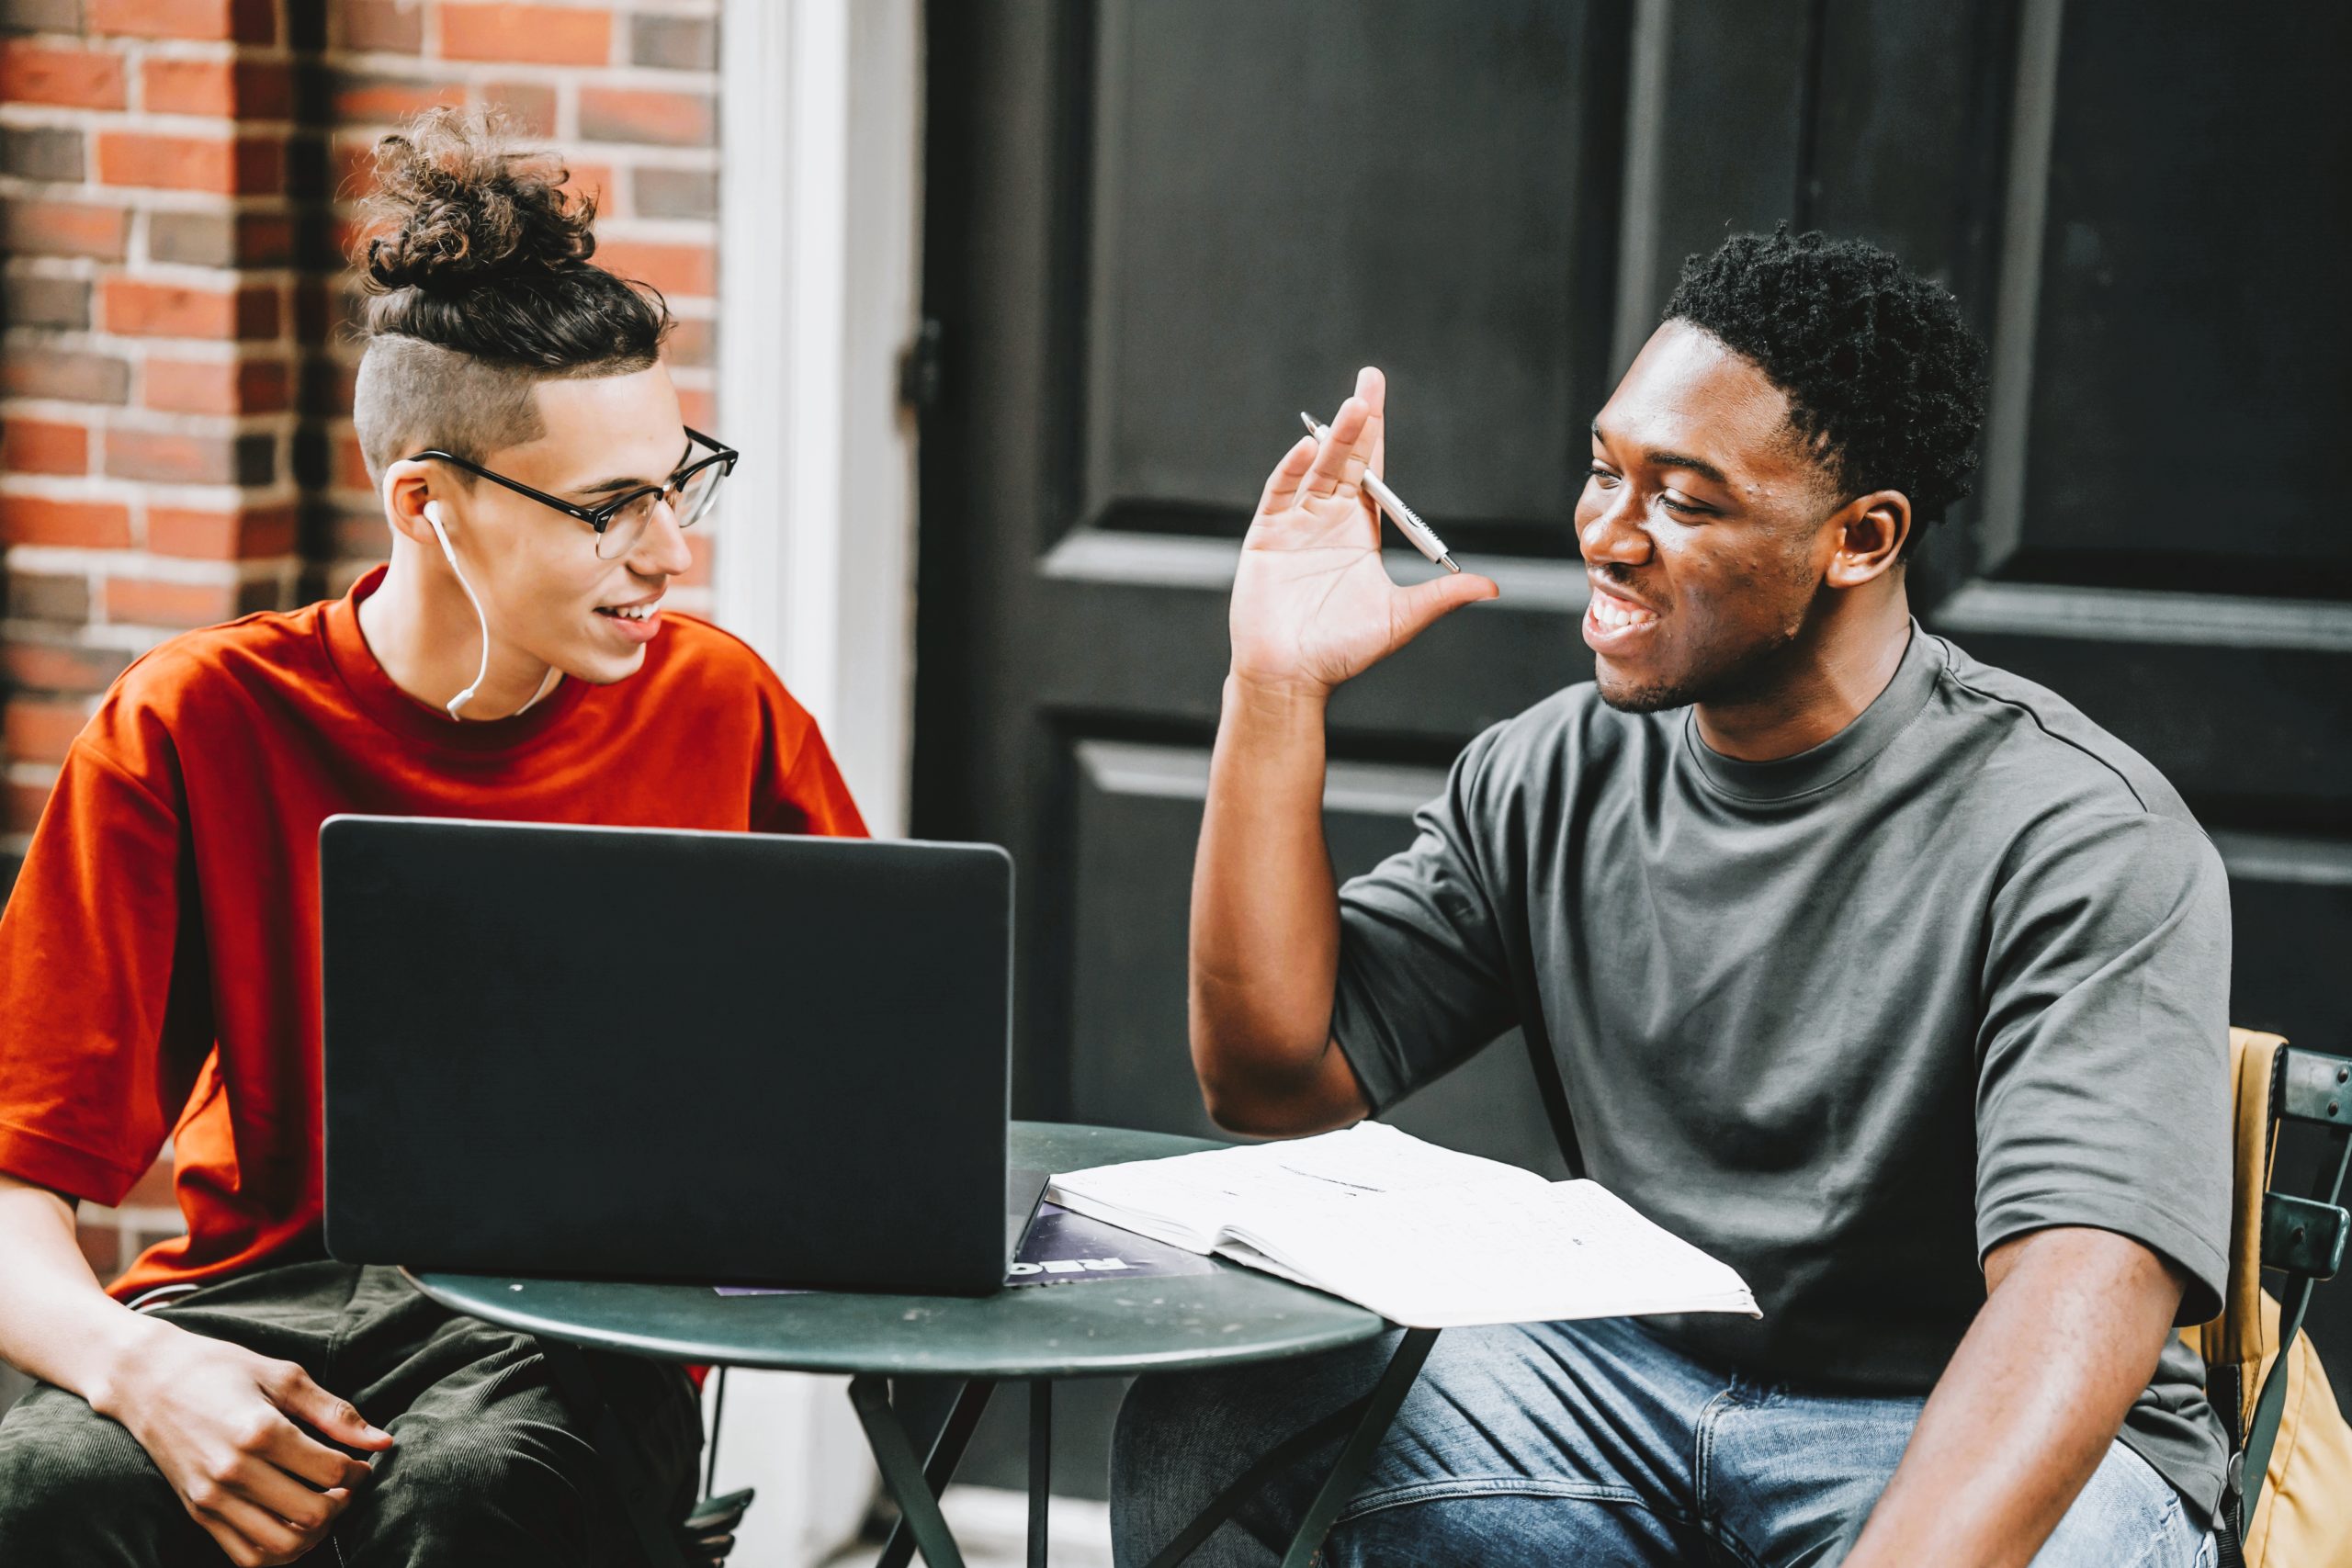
{"x":688,"y":503}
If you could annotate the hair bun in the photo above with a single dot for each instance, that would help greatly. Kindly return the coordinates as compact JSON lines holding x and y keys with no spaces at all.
{"x":454,"y":206}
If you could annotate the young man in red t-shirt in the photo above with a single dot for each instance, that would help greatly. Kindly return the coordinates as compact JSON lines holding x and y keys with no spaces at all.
{"x":237,"y":1394}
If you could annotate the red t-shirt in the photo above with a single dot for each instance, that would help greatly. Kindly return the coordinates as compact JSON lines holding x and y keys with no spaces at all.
{"x":159,"y":959}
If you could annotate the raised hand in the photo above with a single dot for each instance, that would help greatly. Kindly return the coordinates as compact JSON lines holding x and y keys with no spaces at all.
{"x":226,"y":1427}
{"x":1312,"y":605}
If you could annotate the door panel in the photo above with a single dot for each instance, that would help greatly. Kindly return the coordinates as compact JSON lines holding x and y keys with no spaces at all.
{"x":2189,"y":400}
{"x":1278,"y":193}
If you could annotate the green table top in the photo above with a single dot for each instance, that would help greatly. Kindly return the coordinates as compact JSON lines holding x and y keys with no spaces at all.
{"x":1095,"y":1327}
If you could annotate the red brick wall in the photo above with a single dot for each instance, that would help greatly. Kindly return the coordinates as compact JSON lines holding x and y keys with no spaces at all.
{"x":175,"y":443}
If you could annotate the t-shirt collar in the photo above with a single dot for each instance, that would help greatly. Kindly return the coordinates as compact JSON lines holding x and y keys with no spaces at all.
{"x":420,"y":722}
{"x":1843,"y":754}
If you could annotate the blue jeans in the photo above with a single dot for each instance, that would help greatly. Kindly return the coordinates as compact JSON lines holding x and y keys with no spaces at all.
{"x":1553,"y":1443}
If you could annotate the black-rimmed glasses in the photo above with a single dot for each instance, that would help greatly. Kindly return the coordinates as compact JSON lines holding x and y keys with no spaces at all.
{"x":620,"y":523}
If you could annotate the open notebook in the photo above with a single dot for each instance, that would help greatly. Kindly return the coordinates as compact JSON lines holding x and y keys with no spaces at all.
{"x":1423,"y":1235}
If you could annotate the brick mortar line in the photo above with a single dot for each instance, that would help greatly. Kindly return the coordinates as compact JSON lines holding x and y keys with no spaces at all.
{"x":348,"y":133}
{"x":31,"y":114}
{"x":105,"y":566}
{"x":101,"y":488}
{"x":144,"y":199}
{"x":136,"y":47}
{"x":54,"y":266}
{"x":191,"y":123}
{"x":645,"y":154}
{"x":51,"y":411}
{"x":59,"y":561}
{"x":164,"y":275}
{"x":27,"y":184}
{"x":535,"y":73}
{"x":44,"y":634}
{"x":20,"y":114}
{"x":177,"y":276}
{"x":72,"y":340}
{"x":73,"y":412}
{"x":222,"y":350}
{"x":152,"y":420}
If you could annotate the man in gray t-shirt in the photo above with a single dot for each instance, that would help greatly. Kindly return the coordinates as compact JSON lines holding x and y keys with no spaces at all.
{"x":1880,"y":974}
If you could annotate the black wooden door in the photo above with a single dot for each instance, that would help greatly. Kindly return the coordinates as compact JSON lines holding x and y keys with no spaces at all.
{"x":1155,"y":231}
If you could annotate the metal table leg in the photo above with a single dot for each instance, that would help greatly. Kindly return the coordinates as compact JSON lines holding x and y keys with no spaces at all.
{"x":1041,"y":1466}
{"x":910,"y":1488}
{"x":1370,"y":1418}
{"x":656,"y":1535}
{"x":947,"y":1452}
{"x":1387,"y":1397}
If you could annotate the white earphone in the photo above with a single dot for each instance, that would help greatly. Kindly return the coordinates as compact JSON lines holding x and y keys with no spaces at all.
{"x":433,"y":520}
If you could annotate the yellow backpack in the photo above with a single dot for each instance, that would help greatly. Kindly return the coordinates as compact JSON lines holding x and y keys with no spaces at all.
{"x":2289,"y":1502}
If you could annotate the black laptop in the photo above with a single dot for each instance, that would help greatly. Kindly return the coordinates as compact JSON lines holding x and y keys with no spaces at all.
{"x":614,"y":1052}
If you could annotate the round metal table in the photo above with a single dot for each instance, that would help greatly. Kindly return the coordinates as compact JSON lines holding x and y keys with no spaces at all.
{"x":1094,"y":1329}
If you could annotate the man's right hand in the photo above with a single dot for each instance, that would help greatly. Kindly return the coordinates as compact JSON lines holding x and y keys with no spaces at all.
{"x":1312,"y":605}
{"x":221,"y":1422}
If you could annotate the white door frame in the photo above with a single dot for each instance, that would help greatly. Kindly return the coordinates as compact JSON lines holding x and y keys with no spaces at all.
{"x":820,"y":116}
{"x":821,"y":202}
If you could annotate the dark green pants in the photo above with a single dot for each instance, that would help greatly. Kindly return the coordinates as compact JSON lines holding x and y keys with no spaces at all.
{"x":489,"y":1464}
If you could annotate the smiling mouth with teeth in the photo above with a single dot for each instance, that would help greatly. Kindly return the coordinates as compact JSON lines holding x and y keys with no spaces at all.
{"x":630,"y":612}
{"x":1615,"y":613}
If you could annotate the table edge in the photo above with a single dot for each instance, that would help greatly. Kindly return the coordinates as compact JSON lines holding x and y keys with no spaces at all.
{"x":660,"y":1348}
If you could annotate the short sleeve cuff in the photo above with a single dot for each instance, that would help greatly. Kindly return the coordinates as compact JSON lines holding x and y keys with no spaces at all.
{"x":45,"y":1162}
{"x":1359,"y":1038}
{"x":2207,"y":1267}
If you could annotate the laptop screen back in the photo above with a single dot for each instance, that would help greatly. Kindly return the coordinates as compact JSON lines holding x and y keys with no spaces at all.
{"x":620,"y":1053}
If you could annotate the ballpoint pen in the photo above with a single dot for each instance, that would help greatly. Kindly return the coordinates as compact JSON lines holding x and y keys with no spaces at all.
{"x":1408,"y":522}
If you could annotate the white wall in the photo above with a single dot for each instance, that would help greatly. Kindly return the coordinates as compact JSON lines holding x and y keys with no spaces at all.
{"x":819,"y":209}
{"x":820,"y":219}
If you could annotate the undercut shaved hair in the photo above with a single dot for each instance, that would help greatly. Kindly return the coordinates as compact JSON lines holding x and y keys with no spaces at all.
{"x":475,"y":267}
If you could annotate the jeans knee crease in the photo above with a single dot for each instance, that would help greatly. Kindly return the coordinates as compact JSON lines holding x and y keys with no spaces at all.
{"x":1703,"y":1431}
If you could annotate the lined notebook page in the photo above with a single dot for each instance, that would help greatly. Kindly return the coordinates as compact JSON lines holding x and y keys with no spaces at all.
{"x":1424,"y":1235}
{"x":1189,"y":1199}
{"x":1445,"y":1258}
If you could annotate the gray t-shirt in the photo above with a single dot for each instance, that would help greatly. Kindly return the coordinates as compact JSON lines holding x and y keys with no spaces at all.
{"x":1847,"y":1020}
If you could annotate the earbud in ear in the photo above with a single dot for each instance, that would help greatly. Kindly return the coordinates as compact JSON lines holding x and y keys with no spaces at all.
{"x":433,"y":519}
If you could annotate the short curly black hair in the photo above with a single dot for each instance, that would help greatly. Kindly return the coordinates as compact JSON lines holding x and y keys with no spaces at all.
{"x":1885,"y":382}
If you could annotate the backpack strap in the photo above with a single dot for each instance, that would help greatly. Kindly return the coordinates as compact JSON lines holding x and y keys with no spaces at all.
{"x":2227,"y":1552}
{"x":2231,"y":1342}
{"x":2235,"y":1339}
{"x":2303,"y":1238}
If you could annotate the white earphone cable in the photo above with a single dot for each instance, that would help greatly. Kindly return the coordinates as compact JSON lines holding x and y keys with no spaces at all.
{"x":433,"y":517}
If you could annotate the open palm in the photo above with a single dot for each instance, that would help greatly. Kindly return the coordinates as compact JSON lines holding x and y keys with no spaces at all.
{"x":1312,"y":604}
